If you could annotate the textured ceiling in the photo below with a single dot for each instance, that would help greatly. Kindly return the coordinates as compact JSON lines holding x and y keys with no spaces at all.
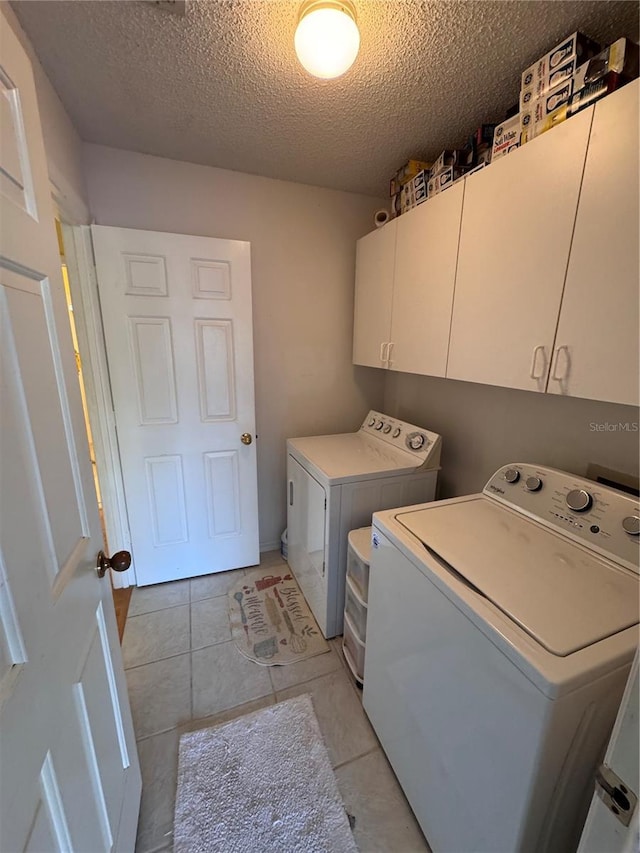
{"x":221,"y":85}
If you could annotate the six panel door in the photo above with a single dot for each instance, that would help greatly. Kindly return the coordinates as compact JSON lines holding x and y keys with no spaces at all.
{"x":178,"y":329}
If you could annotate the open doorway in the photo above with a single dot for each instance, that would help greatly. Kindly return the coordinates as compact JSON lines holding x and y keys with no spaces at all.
{"x":121,"y":596}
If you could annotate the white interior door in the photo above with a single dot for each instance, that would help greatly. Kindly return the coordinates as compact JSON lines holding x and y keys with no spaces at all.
{"x":179,"y":337}
{"x":603,"y":829}
{"x":69,"y":775}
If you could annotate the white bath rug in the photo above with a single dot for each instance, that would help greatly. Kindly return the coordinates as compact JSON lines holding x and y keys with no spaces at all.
{"x":260,"y":784}
{"x":271,"y":622}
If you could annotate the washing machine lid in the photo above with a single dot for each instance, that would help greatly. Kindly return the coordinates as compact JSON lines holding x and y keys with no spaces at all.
{"x":562,"y":595}
{"x":352,"y":456}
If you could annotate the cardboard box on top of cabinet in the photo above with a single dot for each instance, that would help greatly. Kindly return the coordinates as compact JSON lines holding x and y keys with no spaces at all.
{"x":479,"y":146}
{"x":599,"y":76}
{"x":506,"y":137}
{"x":414,"y":192}
{"x":442,"y":181}
{"x":456,"y":157}
{"x":406,"y":173}
{"x":560,"y":63}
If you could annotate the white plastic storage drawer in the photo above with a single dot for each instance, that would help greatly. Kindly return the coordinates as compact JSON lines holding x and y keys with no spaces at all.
{"x":356,"y":609}
{"x":358,"y":559}
{"x":353,"y":649}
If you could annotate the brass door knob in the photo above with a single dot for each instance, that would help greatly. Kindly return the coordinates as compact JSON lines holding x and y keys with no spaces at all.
{"x":120,"y":562}
{"x":246,"y":438}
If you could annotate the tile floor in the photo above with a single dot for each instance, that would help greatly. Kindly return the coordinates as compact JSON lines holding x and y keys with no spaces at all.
{"x":185,"y":673}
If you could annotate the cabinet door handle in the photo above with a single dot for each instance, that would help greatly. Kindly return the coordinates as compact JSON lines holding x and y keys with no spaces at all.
{"x":554,"y":372}
{"x":534,"y":361}
{"x":290,"y":492}
{"x":389,"y":351}
{"x":383,"y":347}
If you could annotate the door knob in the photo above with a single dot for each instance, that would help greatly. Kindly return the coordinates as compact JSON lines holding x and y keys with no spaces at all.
{"x":246,"y":438}
{"x":120,"y":562}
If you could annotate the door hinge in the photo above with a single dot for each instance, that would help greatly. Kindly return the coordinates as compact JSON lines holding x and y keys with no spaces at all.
{"x":616,"y":796}
{"x":325,"y":503}
{"x":323,"y":565}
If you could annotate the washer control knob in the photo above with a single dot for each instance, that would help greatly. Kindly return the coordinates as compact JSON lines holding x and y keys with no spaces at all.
{"x":416,"y":441}
{"x":533,"y":484}
{"x":579,"y":500}
{"x":379,"y":425}
{"x":371,"y":422}
{"x":631,"y":525}
{"x":387,"y":429}
{"x":511,"y":475}
{"x":396,"y":432}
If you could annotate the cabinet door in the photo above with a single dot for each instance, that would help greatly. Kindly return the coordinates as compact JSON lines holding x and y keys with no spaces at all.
{"x":596,"y":353}
{"x":425,"y":269}
{"x":515,"y":238}
{"x":375,"y":257}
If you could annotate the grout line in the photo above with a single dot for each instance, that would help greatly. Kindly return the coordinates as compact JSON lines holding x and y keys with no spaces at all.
{"x":356,"y":758}
{"x":155,"y":734}
{"x":157,"y":660}
{"x":156,"y":610}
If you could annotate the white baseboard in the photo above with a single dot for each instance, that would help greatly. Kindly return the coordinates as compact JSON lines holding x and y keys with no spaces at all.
{"x":269,"y":546}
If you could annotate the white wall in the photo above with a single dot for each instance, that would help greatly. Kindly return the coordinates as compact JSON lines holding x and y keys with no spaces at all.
{"x":63,"y":146}
{"x":484,"y":427}
{"x":303,"y":266}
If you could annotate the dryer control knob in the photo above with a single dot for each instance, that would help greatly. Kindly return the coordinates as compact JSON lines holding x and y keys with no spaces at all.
{"x":579,"y":500}
{"x":371,"y":422}
{"x":631,"y":525}
{"x":511,"y":475}
{"x":387,"y":429}
{"x":533,"y":484}
{"x":396,"y":432}
{"x":379,"y":425}
{"x":416,"y":441}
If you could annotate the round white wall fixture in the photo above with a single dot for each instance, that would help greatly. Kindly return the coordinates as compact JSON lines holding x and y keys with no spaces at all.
{"x":327,"y":39}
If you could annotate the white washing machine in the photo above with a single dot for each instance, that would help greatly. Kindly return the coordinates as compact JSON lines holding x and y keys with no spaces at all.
{"x":335,"y":483}
{"x":501,"y":629}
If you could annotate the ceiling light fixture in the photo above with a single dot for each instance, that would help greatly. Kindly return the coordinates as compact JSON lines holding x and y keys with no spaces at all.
{"x":327,"y":38}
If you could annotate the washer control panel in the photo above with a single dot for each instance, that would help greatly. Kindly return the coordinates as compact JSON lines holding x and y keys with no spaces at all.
{"x":423,"y":445}
{"x":601,"y":518}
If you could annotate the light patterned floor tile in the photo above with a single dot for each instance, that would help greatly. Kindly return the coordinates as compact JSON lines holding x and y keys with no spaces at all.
{"x":343,"y":723}
{"x":224,"y":678}
{"x":160,"y":694}
{"x":305,"y":670}
{"x":210,"y":622}
{"x":159,"y":765}
{"x":146,"y":599}
{"x":227,"y":716}
{"x":210,"y":586}
{"x":384,"y":820}
{"x":157,"y":635}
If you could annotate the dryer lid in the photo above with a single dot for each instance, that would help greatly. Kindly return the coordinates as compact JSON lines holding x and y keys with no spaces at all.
{"x":352,"y":456}
{"x":563,"y":596}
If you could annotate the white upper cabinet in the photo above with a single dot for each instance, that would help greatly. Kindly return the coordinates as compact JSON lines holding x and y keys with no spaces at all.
{"x":596,"y":349}
{"x":425,"y":270}
{"x":374,"y":292}
{"x":515,"y":239}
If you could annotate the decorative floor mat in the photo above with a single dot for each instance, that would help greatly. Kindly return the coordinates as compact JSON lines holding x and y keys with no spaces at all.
{"x":261,"y":783}
{"x":271,"y":622}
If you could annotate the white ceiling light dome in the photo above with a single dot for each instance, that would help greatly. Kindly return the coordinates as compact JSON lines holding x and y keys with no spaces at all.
{"x":327,"y":39}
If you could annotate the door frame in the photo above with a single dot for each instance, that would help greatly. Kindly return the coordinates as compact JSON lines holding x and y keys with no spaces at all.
{"x":88,"y":320}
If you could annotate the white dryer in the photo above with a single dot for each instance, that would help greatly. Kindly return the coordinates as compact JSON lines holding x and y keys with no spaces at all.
{"x":335,"y":483}
{"x":500,"y":632}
